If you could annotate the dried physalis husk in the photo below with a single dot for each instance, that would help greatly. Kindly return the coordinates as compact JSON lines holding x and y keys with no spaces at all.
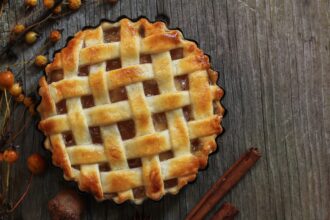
{"x":48,"y":3}
{"x":31,"y":3}
{"x":57,"y":9}
{"x":19,"y":28}
{"x":7,"y":79}
{"x":74,"y":4}
{"x":31,"y":37}
{"x":55,"y":36}
{"x":15,"y":90}
{"x":41,"y":61}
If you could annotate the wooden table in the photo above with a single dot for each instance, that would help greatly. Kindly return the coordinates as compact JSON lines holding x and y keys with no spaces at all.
{"x":274,"y":64}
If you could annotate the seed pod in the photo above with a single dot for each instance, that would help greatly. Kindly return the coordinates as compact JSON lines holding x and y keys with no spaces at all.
{"x":74,"y":4}
{"x":10,"y":156}
{"x":31,"y":3}
{"x":7,"y":79}
{"x":31,"y":37}
{"x":36,"y":164}
{"x":55,"y":36}
{"x":41,"y":61}
{"x":48,"y":3}
{"x":19,"y":28}
{"x":15,"y":90}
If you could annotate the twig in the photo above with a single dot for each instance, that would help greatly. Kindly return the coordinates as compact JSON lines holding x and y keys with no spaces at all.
{"x":46,"y":15}
{"x":19,"y":201}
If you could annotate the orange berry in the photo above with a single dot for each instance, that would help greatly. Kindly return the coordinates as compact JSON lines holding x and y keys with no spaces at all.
{"x":58,"y":9}
{"x":36,"y":164}
{"x":41,"y":61}
{"x":55,"y":36}
{"x":19,"y":28}
{"x":6,"y":79}
{"x":31,"y":3}
{"x":74,"y":4}
{"x":48,"y":3}
{"x":10,"y":156}
{"x":15,"y":90}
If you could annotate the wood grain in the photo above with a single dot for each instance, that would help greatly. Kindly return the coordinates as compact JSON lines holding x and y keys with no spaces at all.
{"x":274,"y":63}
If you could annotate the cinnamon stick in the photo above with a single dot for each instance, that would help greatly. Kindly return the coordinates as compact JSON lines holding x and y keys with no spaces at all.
{"x":224,"y":184}
{"x":226,"y":212}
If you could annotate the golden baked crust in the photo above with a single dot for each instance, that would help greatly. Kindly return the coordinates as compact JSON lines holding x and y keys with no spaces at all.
{"x":168,"y":101}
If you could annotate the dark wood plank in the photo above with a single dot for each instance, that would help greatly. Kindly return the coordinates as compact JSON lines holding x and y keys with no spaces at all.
{"x":274,"y":63}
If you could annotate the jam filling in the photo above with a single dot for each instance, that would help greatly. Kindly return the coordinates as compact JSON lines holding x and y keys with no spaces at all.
{"x":83,"y":71}
{"x":160,"y":122}
{"x":166,"y":155}
{"x":113,"y":64}
{"x":68,"y":138}
{"x":87,"y":101}
{"x":55,"y":76}
{"x":145,"y":58}
{"x":187,"y":113}
{"x":61,"y":107}
{"x":126,"y":129}
{"x":150,"y":88}
{"x":76,"y":167}
{"x":112,"y":35}
{"x":195,"y":144}
{"x":133,"y":163}
{"x":96,"y":136}
{"x":118,"y":94}
{"x":139,"y":192}
{"x":104,"y":167}
{"x":176,"y":53}
{"x":181,"y":82}
{"x":170,"y":183}
{"x":142,"y":31}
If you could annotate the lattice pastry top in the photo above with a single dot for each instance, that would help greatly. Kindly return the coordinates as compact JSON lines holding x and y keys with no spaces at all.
{"x":130,"y":110}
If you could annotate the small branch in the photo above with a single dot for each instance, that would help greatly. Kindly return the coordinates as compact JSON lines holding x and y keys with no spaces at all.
{"x":46,"y":15}
{"x":20,"y":200}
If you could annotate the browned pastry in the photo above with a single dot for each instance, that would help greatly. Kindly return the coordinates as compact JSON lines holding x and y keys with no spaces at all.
{"x":130,"y":110}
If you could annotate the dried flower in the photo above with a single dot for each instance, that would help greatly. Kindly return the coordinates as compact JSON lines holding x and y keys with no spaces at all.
{"x":41,"y":61}
{"x":31,"y":3}
{"x":6,"y":79}
{"x":19,"y":28}
{"x":48,"y":3}
{"x":36,"y":164}
{"x":10,"y":156}
{"x":31,"y":37}
{"x":15,"y":90}
{"x":74,"y":4}
{"x":55,"y":36}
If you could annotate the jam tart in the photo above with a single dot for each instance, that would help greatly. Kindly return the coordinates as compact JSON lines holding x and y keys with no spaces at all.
{"x":130,"y":110}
